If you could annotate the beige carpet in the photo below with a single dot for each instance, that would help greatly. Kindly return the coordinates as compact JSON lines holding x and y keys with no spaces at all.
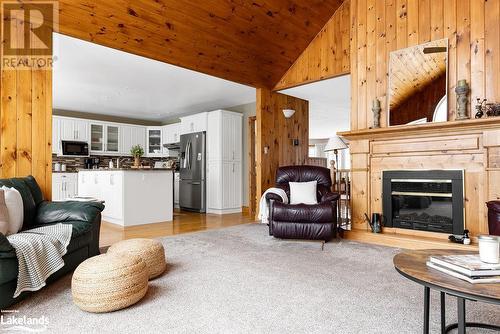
{"x":240,"y":280}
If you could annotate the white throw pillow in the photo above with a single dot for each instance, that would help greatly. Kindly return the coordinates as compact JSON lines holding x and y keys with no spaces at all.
{"x":303,"y":192}
{"x":14,"y":203}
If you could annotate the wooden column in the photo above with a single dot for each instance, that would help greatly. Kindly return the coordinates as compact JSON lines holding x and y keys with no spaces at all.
{"x":26,"y":115}
{"x":275,"y":135}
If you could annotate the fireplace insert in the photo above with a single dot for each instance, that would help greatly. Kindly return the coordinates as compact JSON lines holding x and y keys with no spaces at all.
{"x":430,"y":200}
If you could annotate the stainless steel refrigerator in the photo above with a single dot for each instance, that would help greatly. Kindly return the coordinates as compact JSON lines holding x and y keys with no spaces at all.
{"x":192,"y":185}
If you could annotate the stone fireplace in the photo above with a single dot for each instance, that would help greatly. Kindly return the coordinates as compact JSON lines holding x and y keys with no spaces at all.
{"x":424,"y":200}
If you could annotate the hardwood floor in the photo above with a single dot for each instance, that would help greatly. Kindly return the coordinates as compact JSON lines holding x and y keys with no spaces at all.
{"x":184,"y":222}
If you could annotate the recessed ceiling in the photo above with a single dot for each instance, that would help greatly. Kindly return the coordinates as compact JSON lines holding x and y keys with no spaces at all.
{"x":91,"y":78}
{"x":250,"y":42}
{"x":329,"y":105}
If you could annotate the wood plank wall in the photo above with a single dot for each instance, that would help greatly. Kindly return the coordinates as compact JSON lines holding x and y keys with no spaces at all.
{"x":326,"y":56}
{"x":381,"y":26}
{"x":26,"y":123}
{"x":276,"y":132}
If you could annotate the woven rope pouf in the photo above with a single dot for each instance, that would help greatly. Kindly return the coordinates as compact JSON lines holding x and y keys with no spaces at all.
{"x":151,"y":251}
{"x":107,"y":283}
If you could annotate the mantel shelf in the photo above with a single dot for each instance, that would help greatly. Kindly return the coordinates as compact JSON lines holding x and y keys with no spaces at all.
{"x":423,"y":129}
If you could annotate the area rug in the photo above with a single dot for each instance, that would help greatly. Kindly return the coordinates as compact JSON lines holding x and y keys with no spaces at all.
{"x":241,"y":280}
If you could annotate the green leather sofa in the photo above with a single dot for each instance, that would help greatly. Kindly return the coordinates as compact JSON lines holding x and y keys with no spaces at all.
{"x":85,"y":218}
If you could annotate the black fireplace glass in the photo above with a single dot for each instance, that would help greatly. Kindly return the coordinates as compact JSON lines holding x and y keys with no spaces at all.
{"x":424,"y":200}
{"x":423,"y":205}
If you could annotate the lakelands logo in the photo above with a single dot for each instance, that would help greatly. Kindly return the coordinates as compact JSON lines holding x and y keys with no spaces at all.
{"x":11,"y":321}
{"x":27,"y":28}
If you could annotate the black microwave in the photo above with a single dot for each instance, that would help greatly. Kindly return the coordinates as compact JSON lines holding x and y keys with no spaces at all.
{"x":75,"y":148}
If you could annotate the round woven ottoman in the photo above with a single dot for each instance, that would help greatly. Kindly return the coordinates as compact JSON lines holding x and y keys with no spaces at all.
{"x":151,"y":251}
{"x":106,"y":283}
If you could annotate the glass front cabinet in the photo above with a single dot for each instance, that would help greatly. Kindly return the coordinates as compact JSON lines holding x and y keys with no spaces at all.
{"x":104,"y":138}
{"x":154,"y":142}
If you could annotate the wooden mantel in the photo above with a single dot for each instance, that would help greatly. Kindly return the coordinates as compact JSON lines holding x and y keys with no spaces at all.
{"x":471,"y":145}
{"x":423,"y":129}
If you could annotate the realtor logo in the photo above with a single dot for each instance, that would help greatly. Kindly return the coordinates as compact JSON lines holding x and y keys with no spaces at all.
{"x":12,"y":321}
{"x":27,"y":28}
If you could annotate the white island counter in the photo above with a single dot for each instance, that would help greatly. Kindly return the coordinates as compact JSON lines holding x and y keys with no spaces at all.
{"x":131,"y":196}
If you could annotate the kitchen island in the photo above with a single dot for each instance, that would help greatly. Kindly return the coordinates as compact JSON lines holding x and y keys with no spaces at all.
{"x":131,"y":196}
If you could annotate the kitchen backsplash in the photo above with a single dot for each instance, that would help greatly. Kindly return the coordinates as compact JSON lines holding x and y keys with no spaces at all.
{"x":73,"y":164}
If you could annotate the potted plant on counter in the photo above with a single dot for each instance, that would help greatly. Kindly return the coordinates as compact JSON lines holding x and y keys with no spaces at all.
{"x":137,"y":152}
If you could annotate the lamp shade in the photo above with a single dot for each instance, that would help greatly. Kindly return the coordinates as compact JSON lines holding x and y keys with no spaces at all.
{"x":335,"y":143}
{"x":288,"y":112}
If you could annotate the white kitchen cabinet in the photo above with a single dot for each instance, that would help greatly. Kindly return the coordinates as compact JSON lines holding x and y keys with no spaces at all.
{"x":177,"y":179}
{"x":64,"y":186}
{"x":82,"y":130}
{"x":112,"y":190}
{"x":171,"y":133}
{"x":224,"y":166}
{"x":194,"y":123}
{"x":214,"y":190}
{"x":104,"y":138}
{"x":154,"y":144}
{"x":97,"y":138}
{"x":131,"y":197}
{"x":73,"y":129}
{"x":232,"y":144}
{"x":231,"y":188}
{"x":84,"y":184}
{"x":56,"y":136}
{"x":112,"y":139}
{"x":130,"y":136}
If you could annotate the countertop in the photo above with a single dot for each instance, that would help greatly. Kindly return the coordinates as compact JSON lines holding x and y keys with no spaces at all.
{"x":127,"y":170}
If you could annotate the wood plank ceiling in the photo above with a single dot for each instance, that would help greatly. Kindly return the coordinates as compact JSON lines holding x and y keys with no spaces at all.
{"x":250,"y":42}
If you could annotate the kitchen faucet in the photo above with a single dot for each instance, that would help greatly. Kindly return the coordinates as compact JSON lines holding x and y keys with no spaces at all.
{"x":118,"y":160}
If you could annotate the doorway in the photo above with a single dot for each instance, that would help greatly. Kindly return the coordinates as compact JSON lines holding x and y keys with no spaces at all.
{"x":252,"y":166}
{"x":329,"y":113}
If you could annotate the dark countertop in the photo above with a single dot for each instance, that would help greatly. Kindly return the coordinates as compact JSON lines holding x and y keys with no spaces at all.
{"x":127,"y":170}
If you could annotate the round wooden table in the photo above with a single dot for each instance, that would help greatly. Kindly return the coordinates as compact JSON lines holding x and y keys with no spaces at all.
{"x":412,"y":265}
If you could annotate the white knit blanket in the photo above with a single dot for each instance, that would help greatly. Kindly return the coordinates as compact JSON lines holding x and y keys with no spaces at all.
{"x":264,"y":207}
{"x":39,"y":252}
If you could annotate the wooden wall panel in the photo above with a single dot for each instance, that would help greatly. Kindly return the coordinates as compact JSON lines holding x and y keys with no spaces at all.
{"x":276,"y":133}
{"x":326,"y":56}
{"x":471,"y":26}
{"x":26,"y":123}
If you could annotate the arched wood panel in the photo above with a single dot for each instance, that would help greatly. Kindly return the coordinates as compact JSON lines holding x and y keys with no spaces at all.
{"x":326,"y":56}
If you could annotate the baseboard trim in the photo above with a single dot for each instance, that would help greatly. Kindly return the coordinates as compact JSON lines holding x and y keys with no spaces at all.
{"x":224,"y":211}
{"x":405,"y":241}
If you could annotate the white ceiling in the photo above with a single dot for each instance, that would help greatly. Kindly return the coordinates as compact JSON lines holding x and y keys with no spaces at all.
{"x":96,"y":79}
{"x":329,"y":105}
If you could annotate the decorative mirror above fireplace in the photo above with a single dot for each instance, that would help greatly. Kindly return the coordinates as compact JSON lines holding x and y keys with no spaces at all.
{"x":418,"y":84}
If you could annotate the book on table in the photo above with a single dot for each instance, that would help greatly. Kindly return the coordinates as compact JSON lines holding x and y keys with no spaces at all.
{"x":467,"y":267}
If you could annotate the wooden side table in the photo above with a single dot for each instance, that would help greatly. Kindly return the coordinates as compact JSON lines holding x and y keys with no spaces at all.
{"x":413,"y":265}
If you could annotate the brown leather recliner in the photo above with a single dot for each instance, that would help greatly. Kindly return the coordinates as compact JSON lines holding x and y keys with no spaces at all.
{"x":494,"y":217}
{"x":301,"y":221}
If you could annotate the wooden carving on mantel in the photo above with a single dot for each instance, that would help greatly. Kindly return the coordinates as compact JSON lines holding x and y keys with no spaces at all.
{"x":462,"y":91}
